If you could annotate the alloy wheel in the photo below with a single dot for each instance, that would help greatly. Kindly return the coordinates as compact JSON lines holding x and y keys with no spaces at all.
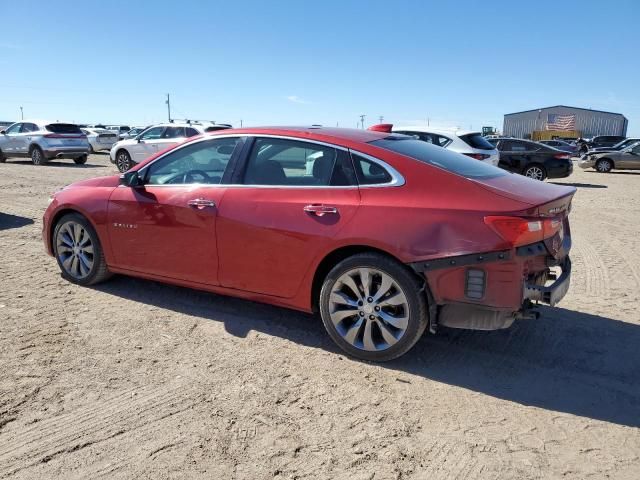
{"x":534,"y":172}
{"x":369,"y":309}
{"x":36,"y":156}
{"x":603,"y":166}
{"x":74,"y":248}
{"x":123,"y":162}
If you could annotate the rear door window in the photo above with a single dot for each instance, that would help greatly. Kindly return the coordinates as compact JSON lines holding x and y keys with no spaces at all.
{"x":476,"y":140}
{"x":277,"y":161}
{"x":438,"y":157}
{"x":173,"y":132}
{"x":192,"y":132}
{"x":369,"y":172}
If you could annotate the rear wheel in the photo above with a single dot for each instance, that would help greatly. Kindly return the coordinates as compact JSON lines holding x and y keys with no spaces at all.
{"x":2,"y":157}
{"x":80,"y":160}
{"x":537,"y":172}
{"x":373,"y":307}
{"x":78,"y":251}
{"x":123,"y":161}
{"x":604,"y":165}
{"x":37,"y":156}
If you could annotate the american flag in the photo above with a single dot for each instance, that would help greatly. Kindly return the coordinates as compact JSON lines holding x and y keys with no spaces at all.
{"x":561,"y":122}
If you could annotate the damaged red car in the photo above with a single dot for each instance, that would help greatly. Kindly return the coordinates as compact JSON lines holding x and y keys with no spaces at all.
{"x":384,"y":235}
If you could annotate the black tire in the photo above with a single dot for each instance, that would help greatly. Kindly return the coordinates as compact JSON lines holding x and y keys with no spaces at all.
{"x":2,"y":157}
{"x":410,"y":286}
{"x":37,"y":156}
{"x":80,"y":160}
{"x":123,"y":161}
{"x":604,"y":165}
{"x":91,"y":150}
{"x":98,"y":271}
{"x":535,"y":171}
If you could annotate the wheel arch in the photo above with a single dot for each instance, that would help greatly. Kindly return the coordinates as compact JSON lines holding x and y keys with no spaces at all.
{"x":61,"y":213}
{"x":332,"y":258}
{"x":609,"y":159}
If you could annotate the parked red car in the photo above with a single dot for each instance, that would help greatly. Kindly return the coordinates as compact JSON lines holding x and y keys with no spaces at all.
{"x":383,"y":234}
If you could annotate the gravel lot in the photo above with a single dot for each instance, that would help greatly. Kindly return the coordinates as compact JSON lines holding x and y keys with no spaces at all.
{"x":135,"y":379}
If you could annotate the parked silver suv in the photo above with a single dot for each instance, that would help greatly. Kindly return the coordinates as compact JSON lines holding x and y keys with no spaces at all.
{"x":42,"y":141}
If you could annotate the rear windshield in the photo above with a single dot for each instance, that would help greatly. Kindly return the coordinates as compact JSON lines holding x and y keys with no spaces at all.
{"x":476,"y":140}
{"x":439,"y":157}
{"x":63,"y":128}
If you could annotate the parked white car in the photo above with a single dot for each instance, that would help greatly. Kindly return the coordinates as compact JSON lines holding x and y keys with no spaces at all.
{"x":99,"y":139}
{"x":127,"y":153}
{"x":469,"y":143}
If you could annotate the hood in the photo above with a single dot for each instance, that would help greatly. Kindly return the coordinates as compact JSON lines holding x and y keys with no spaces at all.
{"x":525,"y":190}
{"x":110,"y":181}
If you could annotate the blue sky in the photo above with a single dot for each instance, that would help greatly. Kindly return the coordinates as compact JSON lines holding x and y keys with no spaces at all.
{"x":462,"y":63}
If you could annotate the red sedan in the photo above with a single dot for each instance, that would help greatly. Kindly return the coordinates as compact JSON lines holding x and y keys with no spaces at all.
{"x":383,"y":234}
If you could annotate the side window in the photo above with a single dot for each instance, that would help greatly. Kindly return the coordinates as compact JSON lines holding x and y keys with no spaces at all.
{"x":369,"y":172}
{"x":636,"y":149}
{"x":192,"y":132}
{"x":202,"y":162}
{"x":277,"y":161}
{"x":514,"y":146}
{"x":442,"y":141}
{"x":28,"y":127}
{"x":152,"y":134}
{"x":173,"y":132}
{"x":15,"y":128}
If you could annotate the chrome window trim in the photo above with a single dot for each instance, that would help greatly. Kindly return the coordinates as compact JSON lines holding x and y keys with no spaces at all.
{"x":397,"y":180}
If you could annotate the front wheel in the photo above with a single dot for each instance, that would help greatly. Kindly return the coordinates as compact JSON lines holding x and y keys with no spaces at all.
{"x":373,"y":307}
{"x":604,"y":165}
{"x":123,"y":161}
{"x":536,"y":172}
{"x":80,"y":160}
{"x":77,"y":249}
{"x":2,"y":157}
{"x":37,"y":156}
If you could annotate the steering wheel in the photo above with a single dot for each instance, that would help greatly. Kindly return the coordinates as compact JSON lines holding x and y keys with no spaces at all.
{"x":188,"y":177}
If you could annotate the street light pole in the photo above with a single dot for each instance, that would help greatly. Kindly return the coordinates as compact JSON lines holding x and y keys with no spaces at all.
{"x":21,"y":114}
{"x":362,"y":117}
{"x":168,"y":102}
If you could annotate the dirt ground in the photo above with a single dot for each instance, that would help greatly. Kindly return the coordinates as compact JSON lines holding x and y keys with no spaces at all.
{"x":135,"y":379}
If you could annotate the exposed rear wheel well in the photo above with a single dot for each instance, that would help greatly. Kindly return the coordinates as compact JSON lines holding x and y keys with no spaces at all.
{"x":335,"y":257}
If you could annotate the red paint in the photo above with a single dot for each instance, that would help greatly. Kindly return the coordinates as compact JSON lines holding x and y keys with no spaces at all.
{"x":261,"y":244}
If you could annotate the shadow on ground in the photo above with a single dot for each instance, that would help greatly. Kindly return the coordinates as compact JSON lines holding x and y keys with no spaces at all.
{"x":566,"y":361}
{"x":8,"y":221}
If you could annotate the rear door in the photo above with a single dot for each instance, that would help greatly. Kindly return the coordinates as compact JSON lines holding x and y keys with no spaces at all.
{"x":629,"y":158}
{"x":291,"y":199}
{"x":170,"y":137}
{"x":514,"y":155}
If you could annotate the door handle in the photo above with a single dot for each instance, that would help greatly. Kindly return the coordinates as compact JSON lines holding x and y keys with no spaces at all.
{"x":201,"y":203}
{"x":320,"y":210}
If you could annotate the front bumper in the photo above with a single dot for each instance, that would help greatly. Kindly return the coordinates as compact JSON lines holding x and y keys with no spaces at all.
{"x":586,"y":162}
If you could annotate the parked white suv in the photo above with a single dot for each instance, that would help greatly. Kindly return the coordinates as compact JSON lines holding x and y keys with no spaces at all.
{"x":469,"y":143}
{"x":126,"y":153}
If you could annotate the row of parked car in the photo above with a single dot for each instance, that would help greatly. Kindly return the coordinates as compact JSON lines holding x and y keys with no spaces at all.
{"x":128,"y":146}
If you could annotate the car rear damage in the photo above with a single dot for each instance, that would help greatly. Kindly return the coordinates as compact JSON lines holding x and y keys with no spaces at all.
{"x":477,"y":291}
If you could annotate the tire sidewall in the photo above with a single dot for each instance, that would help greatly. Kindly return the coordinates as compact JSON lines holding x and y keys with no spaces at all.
{"x":603,"y":161}
{"x":97,"y":248}
{"x":408,"y":284}
{"x":536,"y":165}
{"x":80,"y":160}
{"x":41,"y":159}
{"x":128,"y":161}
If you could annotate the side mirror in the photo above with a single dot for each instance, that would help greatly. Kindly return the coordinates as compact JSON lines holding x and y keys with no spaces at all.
{"x":130,"y":179}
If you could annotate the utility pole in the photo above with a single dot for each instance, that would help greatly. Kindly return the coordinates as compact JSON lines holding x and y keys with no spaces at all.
{"x":168,"y":102}
{"x":240,"y":123}
{"x":381,"y":118}
{"x":362,"y":117}
{"x":21,"y":114}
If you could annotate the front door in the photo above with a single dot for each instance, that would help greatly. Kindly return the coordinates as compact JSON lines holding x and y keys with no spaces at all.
{"x":293,"y":199}
{"x":167,"y":226}
{"x":144,"y":146}
{"x":628,"y":159}
{"x":22,"y":141}
{"x":10,"y":135}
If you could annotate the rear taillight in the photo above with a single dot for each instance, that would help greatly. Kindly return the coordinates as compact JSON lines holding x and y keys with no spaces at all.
{"x":478,"y":156}
{"x":381,"y":127}
{"x":562,"y":156}
{"x":517,"y":231}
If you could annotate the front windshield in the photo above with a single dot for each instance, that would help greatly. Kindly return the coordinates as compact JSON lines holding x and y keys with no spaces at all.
{"x":438,"y":157}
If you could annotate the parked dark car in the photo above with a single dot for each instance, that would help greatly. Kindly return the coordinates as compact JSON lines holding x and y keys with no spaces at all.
{"x":617,"y":147}
{"x":599,"y":141}
{"x":560,"y":145}
{"x":532,"y":159}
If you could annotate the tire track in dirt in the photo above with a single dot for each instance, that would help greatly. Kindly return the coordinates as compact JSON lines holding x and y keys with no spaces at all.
{"x":89,"y":425}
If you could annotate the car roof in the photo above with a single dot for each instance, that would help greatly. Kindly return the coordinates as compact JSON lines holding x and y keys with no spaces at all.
{"x":442,"y":131}
{"x":328,"y":134}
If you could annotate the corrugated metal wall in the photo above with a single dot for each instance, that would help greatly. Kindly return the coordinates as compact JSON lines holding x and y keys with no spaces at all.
{"x":589,"y":122}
